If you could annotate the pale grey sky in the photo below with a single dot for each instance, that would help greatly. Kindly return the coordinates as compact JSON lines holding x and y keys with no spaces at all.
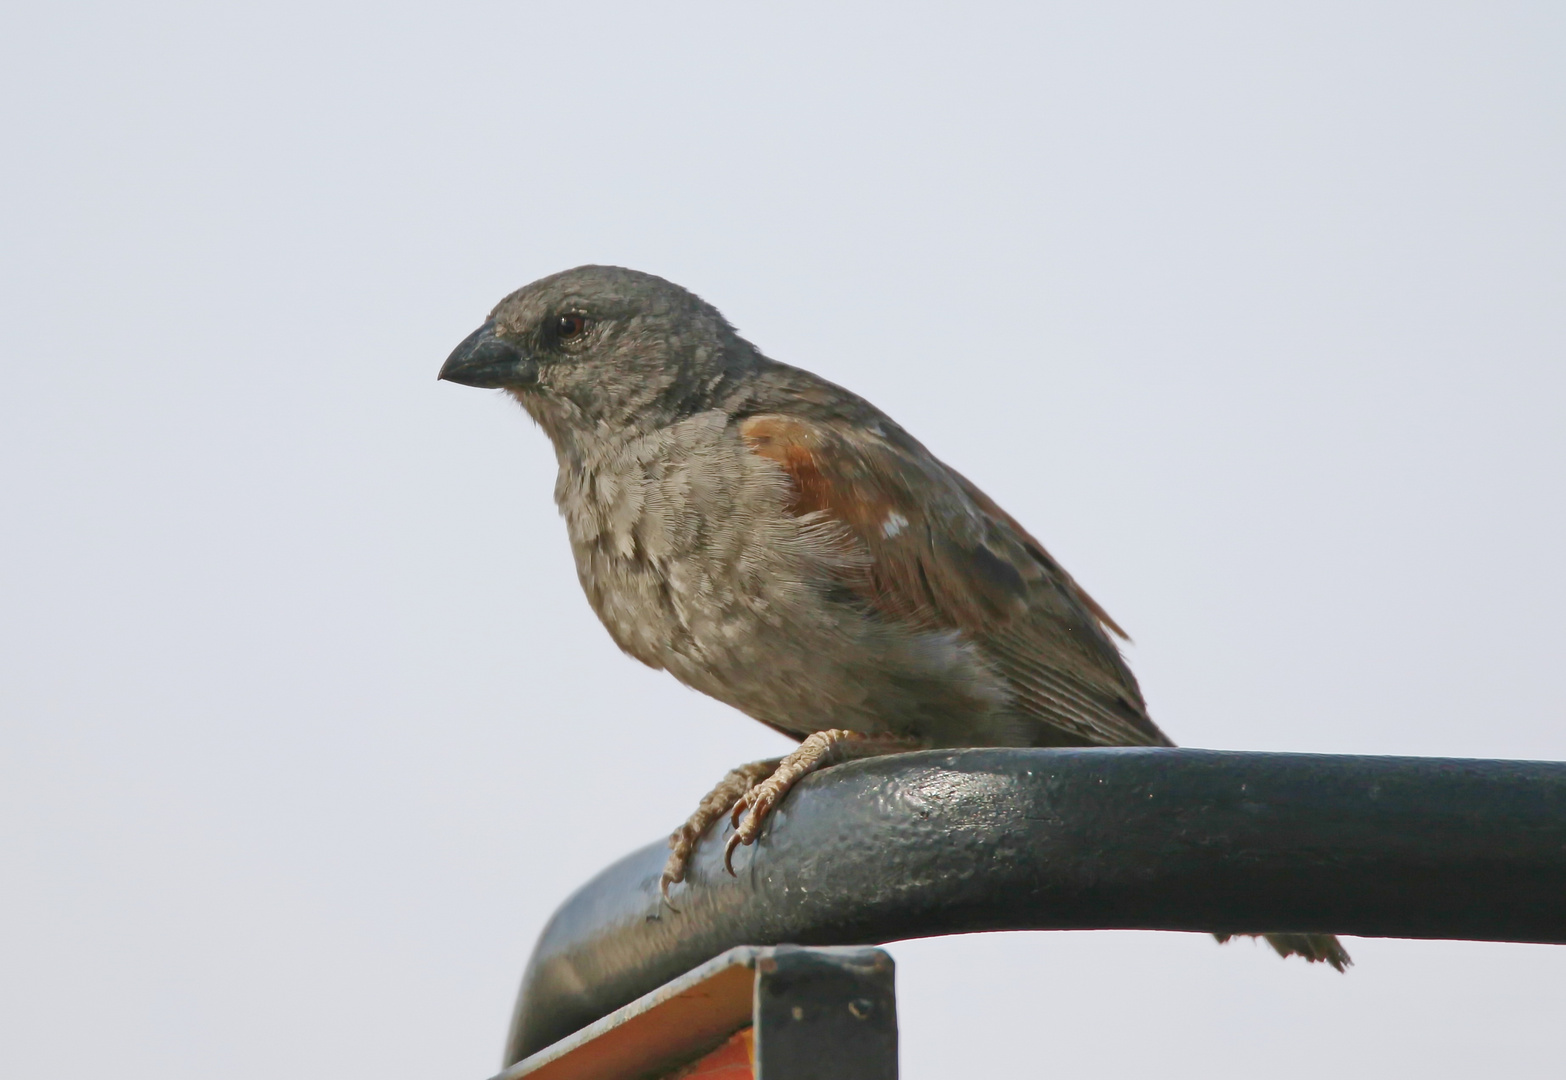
{"x":1253,"y":313}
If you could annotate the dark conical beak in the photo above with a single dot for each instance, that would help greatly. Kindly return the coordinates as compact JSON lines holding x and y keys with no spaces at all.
{"x":484,"y":360}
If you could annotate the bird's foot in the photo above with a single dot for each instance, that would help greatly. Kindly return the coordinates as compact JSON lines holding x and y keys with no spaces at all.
{"x":735,"y":785}
{"x":816,"y":752}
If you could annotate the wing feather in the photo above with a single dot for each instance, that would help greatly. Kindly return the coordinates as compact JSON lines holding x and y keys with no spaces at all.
{"x":942,"y":554}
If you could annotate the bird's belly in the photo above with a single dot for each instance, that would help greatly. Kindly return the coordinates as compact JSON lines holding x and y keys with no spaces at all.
{"x":798,"y":662}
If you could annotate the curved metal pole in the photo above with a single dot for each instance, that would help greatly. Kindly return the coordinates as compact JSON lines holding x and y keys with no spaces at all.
{"x":948,"y":842}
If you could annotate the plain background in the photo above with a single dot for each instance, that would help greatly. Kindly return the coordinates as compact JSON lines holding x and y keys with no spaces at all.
{"x":1252,"y":312}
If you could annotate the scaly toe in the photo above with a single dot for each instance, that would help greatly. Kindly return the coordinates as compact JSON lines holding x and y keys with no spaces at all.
{"x":673,"y":871}
{"x":673,"y":874}
{"x":740,"y":806}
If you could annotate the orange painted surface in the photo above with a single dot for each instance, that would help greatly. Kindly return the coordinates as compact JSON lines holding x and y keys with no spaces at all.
{"x":734,"y":1060}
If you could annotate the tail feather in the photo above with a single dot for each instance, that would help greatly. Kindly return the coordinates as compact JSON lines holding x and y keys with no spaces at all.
{"x":1313,"y":947}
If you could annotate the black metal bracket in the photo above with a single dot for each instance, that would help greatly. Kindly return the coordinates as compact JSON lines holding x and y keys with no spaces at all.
{"x":825,"y":1015}
{"x":783,"y":1013}
{"x":1164,"y":839}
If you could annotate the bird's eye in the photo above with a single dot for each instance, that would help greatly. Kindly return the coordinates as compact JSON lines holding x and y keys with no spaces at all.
{"x":571,"y":327}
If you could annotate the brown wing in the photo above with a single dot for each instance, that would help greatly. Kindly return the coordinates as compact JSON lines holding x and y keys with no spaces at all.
{"x":943,"y":555}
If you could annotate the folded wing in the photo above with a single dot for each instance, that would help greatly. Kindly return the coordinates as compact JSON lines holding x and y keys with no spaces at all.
{"x":940,"y":553}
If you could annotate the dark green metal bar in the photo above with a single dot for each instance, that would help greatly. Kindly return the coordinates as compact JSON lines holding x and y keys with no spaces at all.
{"x":947,"y":842}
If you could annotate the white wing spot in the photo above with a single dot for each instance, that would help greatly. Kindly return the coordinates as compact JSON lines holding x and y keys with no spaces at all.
{"x":894,"y":524}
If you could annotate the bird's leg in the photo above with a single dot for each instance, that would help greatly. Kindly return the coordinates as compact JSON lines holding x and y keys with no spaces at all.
{"x":816,"y":752}
{"x":715,"y":805}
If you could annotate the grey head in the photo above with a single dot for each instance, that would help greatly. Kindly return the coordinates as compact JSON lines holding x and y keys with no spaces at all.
{"x":604,"y":348}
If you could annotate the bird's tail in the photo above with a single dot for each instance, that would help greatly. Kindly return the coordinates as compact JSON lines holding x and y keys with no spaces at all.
{"x":1313,"y":947}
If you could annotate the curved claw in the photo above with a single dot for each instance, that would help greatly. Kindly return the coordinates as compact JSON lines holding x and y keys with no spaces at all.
{"x":728,"y":853}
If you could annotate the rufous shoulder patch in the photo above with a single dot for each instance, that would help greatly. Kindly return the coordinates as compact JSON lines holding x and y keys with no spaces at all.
{"x":796,"y":446}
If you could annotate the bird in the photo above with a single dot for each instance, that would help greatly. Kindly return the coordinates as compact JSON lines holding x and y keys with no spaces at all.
{"x":776,"y":541}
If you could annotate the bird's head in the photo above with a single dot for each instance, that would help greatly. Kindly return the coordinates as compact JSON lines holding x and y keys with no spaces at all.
{"x":601,"y":345}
